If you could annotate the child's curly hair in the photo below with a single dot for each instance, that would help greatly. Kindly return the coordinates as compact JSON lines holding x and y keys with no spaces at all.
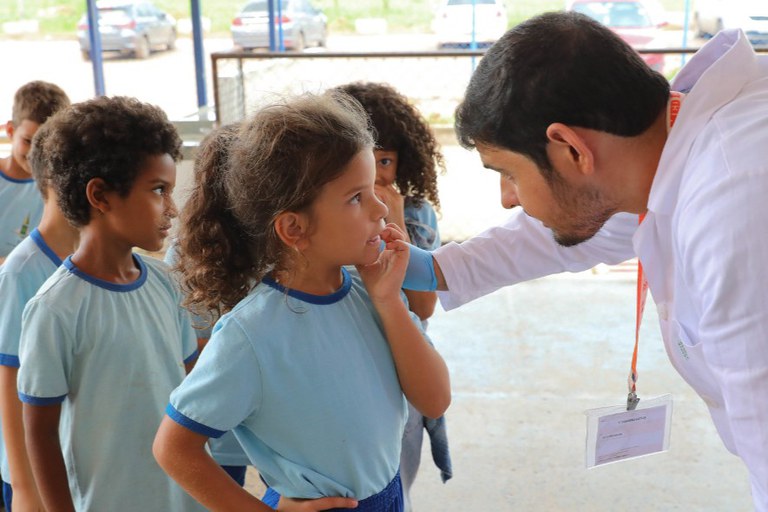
{"x":400,"y":127}
{"x":107,"y":138}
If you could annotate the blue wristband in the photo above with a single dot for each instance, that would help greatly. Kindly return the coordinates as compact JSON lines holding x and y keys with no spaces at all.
{"x":420,"y":275}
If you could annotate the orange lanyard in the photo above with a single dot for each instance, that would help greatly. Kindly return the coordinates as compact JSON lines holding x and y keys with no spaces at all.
{"x":673,"y":108}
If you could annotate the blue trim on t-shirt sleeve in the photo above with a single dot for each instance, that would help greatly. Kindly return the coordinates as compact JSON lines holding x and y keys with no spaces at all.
{"x":10,"y":360}
{"x":114,"y":287}
{"x":336,"y":296}
{"x":191,"y":357}
{"x":39,"y":400}
{"x":192,"y":424}
{"x":38,"y":239}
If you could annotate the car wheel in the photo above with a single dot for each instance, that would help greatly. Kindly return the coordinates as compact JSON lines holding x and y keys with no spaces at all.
{"x":85,"y":54}
{"x":142,"y":49}
{"x":172,"y":41}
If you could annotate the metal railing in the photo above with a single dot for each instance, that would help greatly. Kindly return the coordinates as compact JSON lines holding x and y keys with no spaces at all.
{"x":435,"y":80}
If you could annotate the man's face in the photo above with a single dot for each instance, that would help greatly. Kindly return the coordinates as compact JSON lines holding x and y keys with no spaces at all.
{"x":573,"y":213}
{"x":21,"y":140}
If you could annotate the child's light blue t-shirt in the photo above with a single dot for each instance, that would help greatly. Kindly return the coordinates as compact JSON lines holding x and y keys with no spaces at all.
{"x":225,"y":450}
{"x":25,"y":270}
{"x":110,"y":354}
{"x":308,"y":385}
{"x":21,"y":208}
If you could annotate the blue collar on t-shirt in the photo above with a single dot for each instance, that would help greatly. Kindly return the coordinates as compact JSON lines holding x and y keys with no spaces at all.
{"x":38,"y":239}
{"x":336,"y":296}
{"x":106,"y":284}
{"x":16,"y":180}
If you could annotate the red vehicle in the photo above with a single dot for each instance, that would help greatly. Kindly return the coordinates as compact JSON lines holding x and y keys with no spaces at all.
{"x":638,"y":22}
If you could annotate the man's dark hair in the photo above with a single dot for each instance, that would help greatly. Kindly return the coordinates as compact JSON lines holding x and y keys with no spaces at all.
{"x":559,"y":67}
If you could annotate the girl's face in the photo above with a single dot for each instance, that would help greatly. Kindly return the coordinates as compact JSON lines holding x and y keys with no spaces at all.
{"x":386,"y":167}
{"x":347,"y":218}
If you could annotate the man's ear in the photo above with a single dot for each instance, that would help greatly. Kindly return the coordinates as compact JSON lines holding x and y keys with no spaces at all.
{"x":568,"y":150}
{"x":292,"y":229}
{"x":96,"y":191}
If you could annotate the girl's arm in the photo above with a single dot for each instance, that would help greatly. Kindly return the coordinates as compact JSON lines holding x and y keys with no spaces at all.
{"x":41,"y":425}
{"x":421,"y":370}
{"x":181,"y":453}
{"x":25,"y":495}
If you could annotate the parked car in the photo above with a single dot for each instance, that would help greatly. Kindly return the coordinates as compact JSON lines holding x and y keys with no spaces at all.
{"x":129,"y":26}
{"x":712,"y":16}
{"x":302,"y":25}
{"x":638,"y":22}
{"x":454,"y":28}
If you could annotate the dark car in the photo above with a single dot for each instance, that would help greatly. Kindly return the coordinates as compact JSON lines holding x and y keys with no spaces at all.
{"x":129,"y":26}
{"x":302,"y":25}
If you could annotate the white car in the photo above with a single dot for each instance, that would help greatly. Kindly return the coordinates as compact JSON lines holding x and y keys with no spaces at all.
{"x":454,"y":26}
{"x":712,"y":16}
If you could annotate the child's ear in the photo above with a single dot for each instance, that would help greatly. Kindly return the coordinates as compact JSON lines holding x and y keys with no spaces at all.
{"x":96,"y":192}
{"x":291,"y":227}
{"x":9,"y":129}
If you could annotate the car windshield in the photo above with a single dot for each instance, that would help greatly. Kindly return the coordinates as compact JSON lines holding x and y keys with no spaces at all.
{"x":261,"y":6}
{"x":470,"y":2}
{"x":615,"y":14}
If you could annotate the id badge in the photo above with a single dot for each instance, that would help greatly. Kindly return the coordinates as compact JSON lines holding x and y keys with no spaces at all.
{"x":615,"y":434}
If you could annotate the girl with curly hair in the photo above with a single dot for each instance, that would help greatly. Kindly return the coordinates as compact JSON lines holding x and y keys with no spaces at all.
{"x":312,"y":361}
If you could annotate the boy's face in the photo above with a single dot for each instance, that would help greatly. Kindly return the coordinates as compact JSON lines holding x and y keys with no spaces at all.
{"x":143,"y":217}
{"x":21,"y":141}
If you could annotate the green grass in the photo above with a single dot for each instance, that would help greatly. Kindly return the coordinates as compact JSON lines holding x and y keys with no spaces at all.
{"x":58,"y":18}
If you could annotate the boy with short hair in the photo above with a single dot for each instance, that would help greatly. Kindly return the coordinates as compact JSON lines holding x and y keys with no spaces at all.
{"x":105,"y":340}
{"x":21,"y":206}
{"x":27,"y":267}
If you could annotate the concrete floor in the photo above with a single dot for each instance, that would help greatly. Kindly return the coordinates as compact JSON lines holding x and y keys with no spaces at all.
{"x":526,"y":362}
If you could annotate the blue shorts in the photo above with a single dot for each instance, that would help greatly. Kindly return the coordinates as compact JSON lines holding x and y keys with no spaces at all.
{"x":7,"y":496}
{"x":388,"y":500}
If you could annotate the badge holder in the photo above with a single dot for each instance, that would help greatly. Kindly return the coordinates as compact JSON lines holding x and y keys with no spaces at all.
{"x":637,"y":429}
{"x":615,"y":434}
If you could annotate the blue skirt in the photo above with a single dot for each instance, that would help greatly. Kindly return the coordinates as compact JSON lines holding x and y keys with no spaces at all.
{"x":388,"y":500}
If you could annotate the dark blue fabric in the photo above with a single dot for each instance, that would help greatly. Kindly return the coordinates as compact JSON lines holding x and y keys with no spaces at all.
{"x":7,"y":496}
{"x":237,"y":473}
{"x":388,"y":500}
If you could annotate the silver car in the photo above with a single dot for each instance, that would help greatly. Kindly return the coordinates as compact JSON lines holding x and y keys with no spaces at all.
{"x":129,"y":26}
{"x":302,"y":25}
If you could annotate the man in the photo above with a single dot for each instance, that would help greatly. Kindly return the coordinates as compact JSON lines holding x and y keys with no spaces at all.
{"x":586,"y":138}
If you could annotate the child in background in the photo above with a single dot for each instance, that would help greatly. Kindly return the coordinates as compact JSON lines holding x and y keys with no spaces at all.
{"x":20,"y":203}
{"x":310,"y":365}
{"x":214,"y":153}
{"x":33,"y":261}
{"x":105,"y":340}
{"x":407,"y":160}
